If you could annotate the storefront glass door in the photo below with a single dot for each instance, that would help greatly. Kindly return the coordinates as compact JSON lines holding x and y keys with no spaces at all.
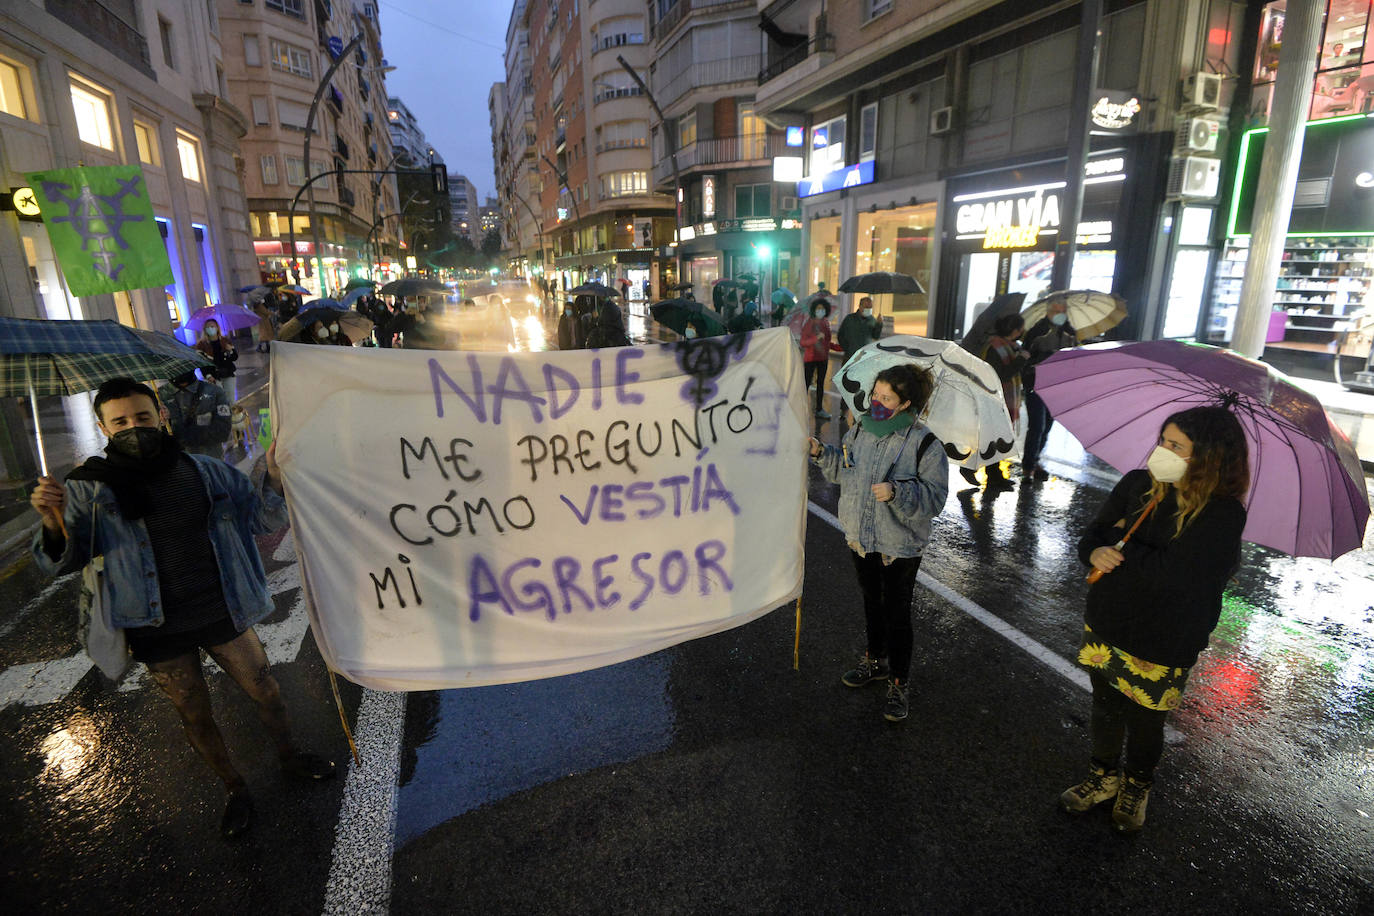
{"x":824,"y":265}
{"x":978,"y":273}
{"x":899,"y":240}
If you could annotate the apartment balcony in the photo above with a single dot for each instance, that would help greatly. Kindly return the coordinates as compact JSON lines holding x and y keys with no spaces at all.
{"x":799,"y":62}
{"x":741,"y":69}
{"x":721,"y":152}
{"x":92,"y":19}
{"x":346,"y":197}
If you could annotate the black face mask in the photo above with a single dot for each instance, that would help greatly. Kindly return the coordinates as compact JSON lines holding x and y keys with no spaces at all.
{"x":141,"y":443}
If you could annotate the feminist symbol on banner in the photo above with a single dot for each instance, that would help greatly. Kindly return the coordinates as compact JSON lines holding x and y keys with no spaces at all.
{"x":705,"y":359}
{"x":100,"y":222}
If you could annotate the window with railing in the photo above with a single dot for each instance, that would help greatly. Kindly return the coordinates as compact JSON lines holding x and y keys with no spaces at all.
{"x":622,"y":135}
{"x":605,"y":93}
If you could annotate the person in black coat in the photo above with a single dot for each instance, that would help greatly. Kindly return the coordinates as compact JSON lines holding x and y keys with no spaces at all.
{"x":1046,"y":337}
{"x":1158,"y":598}
{"x":569,"y":329}
{"x":606,"y":326}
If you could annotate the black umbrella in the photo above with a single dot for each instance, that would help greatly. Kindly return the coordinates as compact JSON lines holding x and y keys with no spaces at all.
{"x":358,"y":283}
{"x":981,"y":329}
{"x":677,"y":314}
{"x":412,"y":286}
{"x":593,"y":289}
{"x":678,"y":287}
{"x":881,"y":281}
{"x":732,"y":284}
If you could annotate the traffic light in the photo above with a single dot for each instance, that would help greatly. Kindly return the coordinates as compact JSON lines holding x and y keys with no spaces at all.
{"x":438,"y":173}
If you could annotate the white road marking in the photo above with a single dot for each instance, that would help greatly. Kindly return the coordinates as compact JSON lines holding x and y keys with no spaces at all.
{"x":365,"y":839}
{"x":35,"y":603}
{"x":40,"y":683}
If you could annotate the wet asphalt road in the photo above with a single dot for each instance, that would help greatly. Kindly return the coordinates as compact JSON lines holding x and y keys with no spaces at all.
{"x":713,"y":777}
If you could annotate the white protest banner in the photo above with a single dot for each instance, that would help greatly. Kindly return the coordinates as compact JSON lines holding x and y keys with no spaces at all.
{"x":468,"y":518}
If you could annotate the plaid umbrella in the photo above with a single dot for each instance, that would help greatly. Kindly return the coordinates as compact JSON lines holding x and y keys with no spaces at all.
{"x":42,"y":357}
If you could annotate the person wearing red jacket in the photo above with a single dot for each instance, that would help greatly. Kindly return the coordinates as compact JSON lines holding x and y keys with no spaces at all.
{"x":817,"y":342}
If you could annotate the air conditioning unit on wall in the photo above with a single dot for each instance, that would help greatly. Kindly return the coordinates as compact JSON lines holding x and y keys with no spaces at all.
{"x":1202,"y":91}
{"x":941,"y":121}
{"x":787,"y":204}
{"x":1197,"y":135}
{"x":1193,"y":177}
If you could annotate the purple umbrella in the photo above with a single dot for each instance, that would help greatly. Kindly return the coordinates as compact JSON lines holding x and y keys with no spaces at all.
{"x":230,"y":317}
{"x":1307,"y":495}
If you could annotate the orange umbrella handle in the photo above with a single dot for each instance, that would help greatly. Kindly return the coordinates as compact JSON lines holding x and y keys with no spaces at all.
{"x":1095,"y":573}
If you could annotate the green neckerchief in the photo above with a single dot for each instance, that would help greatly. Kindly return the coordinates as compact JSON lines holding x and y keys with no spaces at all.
{"x":892,"y":424}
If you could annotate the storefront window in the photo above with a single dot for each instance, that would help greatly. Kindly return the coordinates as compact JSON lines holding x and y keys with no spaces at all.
{"x":825,"y":256}
{"x":704,"y":273}
{"x":1344,"y":83}
{"x":899,"y":240}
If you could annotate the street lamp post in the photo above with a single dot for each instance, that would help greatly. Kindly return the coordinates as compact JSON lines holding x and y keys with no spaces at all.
{"x":310,"y":132}
{"x":670,"y":143}
{"x":376,"y":212}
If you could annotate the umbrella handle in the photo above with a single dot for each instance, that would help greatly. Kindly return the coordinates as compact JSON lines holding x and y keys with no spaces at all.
{"x":38,"y":437}
{"x":1096,"y":573}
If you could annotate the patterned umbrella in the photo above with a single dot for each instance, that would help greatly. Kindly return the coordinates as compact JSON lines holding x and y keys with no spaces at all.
{"x":1090,"y":312}
{"x":1307,"y":494}
{"x":43,"y":357}
{"x":966,"y":411}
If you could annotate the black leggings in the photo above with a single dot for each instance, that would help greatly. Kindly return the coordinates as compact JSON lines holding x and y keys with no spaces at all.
{"x":818,"y":370}
{"x":1115,"y":717}
{"x":887,"y":591}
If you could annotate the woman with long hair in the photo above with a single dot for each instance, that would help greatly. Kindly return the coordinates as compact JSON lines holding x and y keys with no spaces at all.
{"x":1158,"y":598}
{"x":893,"y":477}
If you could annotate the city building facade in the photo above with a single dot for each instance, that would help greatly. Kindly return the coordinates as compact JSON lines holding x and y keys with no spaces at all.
{"x":736,"y":221}
{"x":932,"y":138}
{"x":277,"y":55}
{"x":464,"y":209}
{"x":514,"y":148}
{"x":119,"y":83}
{"x":601,"y":218}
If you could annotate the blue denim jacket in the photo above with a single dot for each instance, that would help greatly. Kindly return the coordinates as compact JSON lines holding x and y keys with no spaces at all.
{"x":901,"y":526}
{"x":238,"y":511}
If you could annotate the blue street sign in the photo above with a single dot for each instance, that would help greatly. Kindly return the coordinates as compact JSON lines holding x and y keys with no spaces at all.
{"x":336,"y":47}
{"x":846,"y":177}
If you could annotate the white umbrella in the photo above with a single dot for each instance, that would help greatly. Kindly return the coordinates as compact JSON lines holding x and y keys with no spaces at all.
{"x":1090,"y":312}
{"x":966,"y":411}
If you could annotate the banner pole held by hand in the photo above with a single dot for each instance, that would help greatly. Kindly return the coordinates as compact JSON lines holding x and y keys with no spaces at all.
{"x":796,"y":640}
{"x":343,"y":719}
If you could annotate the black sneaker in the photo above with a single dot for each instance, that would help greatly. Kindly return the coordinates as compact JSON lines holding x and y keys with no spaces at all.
{"x":307,"y":767}
{"x":1101,"y":785}
{"x":969,"y":475}
{"x":897,"y":705}
{"x":866,"y":672}
{"x":238,"y":815}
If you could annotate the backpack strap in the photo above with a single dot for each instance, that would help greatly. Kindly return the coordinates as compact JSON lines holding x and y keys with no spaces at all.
{"x":925,"y":444}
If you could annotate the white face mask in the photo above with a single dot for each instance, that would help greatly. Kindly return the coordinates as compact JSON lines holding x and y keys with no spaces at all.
{"x":690,"y":333}
{"x":1166,"y":466}
{"x":819,"y":313}
{"x":333,"y":329}
{"x":868,"y":312}
{"x":211,"y":333}
{"x":1059,"y":319}
{"x":322,"y":332}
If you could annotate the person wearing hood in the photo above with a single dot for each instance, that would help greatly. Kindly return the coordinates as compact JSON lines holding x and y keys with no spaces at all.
{"x":198,"y":414}
{"x":893,"y":477}
{"x":817,"y":344}
{"x":182,"y":572}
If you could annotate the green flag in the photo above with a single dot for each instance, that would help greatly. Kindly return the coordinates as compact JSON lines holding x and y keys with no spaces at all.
{"x":101,"y":225}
